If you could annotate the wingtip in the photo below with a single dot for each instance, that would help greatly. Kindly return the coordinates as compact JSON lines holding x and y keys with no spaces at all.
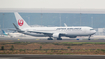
{"x":15,"y":26}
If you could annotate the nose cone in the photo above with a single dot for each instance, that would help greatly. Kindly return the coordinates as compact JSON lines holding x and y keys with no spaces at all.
{"x":94,"y":31}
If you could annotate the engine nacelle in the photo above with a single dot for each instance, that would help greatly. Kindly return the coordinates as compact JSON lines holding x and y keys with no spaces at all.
{"x":56,"y":35}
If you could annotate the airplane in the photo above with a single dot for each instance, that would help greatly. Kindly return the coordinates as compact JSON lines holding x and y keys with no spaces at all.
{"x":12,"y":34}
{"x":6,"y":34}
{"x":52,"y":32}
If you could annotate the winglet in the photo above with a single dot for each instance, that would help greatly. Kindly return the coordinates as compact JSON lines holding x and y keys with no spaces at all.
{"x":65,"y":24}
{"x":17,"y":29}
{"x":15,"y":26}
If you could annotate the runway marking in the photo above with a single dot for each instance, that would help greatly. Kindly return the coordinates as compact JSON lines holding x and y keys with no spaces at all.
{"x":18,"y":39}
{"x":37,"y":39}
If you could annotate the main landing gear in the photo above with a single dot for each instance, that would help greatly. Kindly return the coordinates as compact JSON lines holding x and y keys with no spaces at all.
{"x":59,"y":38}
{"x":50,"y":38}
{"x":89,"y":37}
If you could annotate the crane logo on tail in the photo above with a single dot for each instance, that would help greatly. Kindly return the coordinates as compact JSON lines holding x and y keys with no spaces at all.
{"x":20,"y":22}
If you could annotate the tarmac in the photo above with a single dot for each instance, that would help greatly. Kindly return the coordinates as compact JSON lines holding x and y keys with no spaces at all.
{"x":44,"y":39}
{"x":31,"y":56}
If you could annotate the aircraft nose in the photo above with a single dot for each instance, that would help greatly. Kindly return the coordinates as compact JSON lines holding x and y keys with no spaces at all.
{"x":94,"y":31}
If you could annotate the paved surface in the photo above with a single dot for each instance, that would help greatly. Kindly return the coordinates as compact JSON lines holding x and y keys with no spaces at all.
{"x":22,"y":39}
{"x":52,"y":57}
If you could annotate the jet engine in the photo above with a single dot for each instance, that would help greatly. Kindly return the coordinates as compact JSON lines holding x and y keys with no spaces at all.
{"x":56,"y":35}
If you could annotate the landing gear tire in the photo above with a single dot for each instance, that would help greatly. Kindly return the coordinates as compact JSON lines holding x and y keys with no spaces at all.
{"x":49,"y":39}
{"x":88,"y":39}
{"x":59,"y":38}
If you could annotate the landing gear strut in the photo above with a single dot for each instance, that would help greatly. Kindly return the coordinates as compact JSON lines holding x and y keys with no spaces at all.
{"x":89,"y":37}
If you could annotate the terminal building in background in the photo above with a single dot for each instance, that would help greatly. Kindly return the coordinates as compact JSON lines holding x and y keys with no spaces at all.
{"x":100,"y":31}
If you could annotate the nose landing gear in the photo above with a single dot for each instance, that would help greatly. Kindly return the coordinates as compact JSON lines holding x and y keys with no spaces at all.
{"x":89,"y":37}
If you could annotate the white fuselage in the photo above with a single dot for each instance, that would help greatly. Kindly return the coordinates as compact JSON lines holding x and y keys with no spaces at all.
{"x":70,"y":31}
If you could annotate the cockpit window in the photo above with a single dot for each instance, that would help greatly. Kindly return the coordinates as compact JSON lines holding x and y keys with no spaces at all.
{"x":91,"y":29}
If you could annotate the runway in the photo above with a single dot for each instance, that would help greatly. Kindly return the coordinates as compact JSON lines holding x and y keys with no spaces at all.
{"x":44,"y":39}
{"x":21,"y":56}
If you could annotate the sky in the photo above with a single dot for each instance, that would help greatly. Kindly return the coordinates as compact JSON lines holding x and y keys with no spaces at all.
{"x":53,"y":6}
{"x":73,"y":4}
